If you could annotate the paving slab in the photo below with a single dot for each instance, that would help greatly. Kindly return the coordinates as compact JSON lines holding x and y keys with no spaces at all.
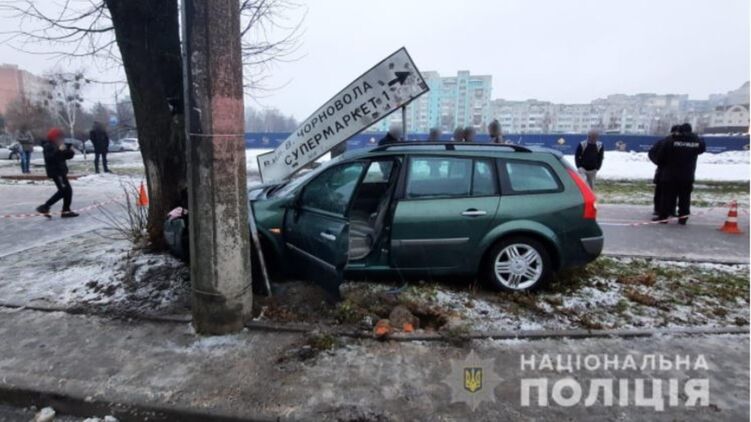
{"x":253,"y":375}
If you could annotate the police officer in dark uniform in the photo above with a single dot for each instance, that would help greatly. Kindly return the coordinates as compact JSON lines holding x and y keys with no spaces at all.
{"x":677,"y":157}
{"x":674,"y":133}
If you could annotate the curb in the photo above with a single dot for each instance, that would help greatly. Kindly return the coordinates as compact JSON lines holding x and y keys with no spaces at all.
{"x":471,"y":335}
{"x":679,"y":259}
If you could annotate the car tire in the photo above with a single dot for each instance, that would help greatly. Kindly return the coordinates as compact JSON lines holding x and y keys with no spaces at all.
{"x":518,"y":264}
{"x":14,"y":156}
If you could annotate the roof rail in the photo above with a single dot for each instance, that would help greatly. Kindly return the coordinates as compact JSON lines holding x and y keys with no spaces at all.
{"x":449,"y":146}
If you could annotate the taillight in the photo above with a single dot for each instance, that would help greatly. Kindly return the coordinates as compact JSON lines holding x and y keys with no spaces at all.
{"x":590,"y":201}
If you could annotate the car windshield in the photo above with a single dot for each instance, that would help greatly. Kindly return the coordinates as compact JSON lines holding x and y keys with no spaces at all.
{"x":289,"y":186}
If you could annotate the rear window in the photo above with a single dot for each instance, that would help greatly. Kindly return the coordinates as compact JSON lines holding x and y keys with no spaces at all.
{"x":530,"y":177}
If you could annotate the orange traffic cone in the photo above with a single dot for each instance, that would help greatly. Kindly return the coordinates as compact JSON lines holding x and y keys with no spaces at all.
{"x":143,"y":198}
{"x":731,"y":223}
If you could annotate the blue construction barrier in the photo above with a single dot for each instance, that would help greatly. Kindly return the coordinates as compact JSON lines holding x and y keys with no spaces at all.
{"x":565,"y":143}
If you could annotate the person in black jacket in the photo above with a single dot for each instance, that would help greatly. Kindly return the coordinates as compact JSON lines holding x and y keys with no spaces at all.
{"x":653,"y":152}
{"x":588,"y":157}
{"x":393,"y":136}
{"x":56,"y":153}
{"x":101,"y":142}
{"x":678,"y":157}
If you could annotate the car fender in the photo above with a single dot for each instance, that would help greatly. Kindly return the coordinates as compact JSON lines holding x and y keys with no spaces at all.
{"x":521,"y":227}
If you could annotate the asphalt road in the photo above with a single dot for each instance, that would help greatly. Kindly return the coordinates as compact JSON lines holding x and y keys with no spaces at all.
{"x":21,"y":233}
{"x":629,"y":231}
{"x":700,"y":240}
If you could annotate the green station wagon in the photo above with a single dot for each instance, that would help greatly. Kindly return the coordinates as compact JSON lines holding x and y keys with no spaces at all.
{"x":510,"y":215}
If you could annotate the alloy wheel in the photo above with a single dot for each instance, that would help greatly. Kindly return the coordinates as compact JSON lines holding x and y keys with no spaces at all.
{"x":518,"y":266}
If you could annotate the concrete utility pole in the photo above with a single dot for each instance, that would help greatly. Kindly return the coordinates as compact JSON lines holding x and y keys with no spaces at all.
{"x":217,"y":186}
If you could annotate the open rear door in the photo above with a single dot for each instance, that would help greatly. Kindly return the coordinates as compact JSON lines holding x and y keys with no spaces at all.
{"x":316,"y":227}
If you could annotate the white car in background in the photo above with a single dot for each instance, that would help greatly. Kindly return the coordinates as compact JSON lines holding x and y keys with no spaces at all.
{"x":8,"y":153}
{"x":119,"y":145}
{"x":129,"y":144}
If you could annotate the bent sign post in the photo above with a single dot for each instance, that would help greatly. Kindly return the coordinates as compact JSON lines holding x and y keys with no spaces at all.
{"x":383,"y":89}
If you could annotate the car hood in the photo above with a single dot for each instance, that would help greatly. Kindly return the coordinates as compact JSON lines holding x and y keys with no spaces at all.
{"x":258,"y":191}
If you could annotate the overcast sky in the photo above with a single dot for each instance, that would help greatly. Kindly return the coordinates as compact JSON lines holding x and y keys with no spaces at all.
{"x":557,"y":50}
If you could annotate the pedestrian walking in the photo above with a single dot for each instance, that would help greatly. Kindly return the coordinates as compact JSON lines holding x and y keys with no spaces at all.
{"x":458,"y":135}
{"x":26,"y":141}
{"x":494,"y":131}
{"x":56,"y":153}
{"x":653,"y":153}
{"x":393,"y":136}
{"x":101,"y":142}
{"x":469,"y":134}
{"x":589,"y":156}
{"x":678,"y":158}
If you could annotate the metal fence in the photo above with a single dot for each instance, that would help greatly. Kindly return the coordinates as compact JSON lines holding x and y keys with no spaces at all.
{"x":565,"y":143}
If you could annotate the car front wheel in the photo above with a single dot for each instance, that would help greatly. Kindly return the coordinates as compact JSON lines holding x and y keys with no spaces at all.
{"x":518,"y":264}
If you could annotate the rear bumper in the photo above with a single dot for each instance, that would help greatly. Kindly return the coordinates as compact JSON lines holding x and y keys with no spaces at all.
{"x":593,"y":245}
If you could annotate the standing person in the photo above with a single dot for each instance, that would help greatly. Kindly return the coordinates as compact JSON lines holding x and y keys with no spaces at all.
{"x":393,"y":136}
{"x":339,"y":149}
{"x":101,"y":143}
{"x":494,"y":131}
{"x":469,"y":134}
{"x":588,"y":157}
{"x":653,"y":153}
{"x":56,"y":153}
{"x":458,"y":135}
{"x":678,"y":158}
{"x":434,"y":135}
{"x":26,"y":141}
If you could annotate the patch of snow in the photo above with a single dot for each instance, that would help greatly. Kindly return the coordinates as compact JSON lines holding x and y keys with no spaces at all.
{"x":725,"y":166}
{"x":47,"y":414}
{"x":102,"y":179}
{"x":483,"y":315}
{"x":588,"y":297}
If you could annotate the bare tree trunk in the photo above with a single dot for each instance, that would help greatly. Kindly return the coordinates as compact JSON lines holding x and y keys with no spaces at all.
{"x":147,"y":34}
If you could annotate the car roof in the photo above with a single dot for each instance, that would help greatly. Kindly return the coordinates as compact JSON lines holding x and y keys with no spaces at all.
{"x":451,"y":148}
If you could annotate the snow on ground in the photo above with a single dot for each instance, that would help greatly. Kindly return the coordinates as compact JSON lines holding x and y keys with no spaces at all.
{"x":725,"y":166}
{"x":95,"y":273}
{"x":107,"y":179}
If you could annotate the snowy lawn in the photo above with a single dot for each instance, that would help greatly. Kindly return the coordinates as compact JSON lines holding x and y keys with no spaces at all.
{"x":640,"y":192}
{"x":607,"y":294}
{"x":92,"y":274}
{"x":725,"y":166}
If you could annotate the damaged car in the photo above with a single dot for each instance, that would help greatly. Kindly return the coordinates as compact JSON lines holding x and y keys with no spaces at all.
{"x":510,"y":215}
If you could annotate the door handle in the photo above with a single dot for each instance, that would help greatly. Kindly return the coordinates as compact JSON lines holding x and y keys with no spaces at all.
{"x":328,"y":236}
{"x":472,"y":212}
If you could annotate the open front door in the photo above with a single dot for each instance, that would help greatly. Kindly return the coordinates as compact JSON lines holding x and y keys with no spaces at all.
{"x":316,"y":228}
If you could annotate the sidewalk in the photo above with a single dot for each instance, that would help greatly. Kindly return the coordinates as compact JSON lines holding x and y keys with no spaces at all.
{"x":263,"y":375}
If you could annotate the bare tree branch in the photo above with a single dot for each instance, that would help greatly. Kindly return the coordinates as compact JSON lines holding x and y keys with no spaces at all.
{"x":75,"y":29}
